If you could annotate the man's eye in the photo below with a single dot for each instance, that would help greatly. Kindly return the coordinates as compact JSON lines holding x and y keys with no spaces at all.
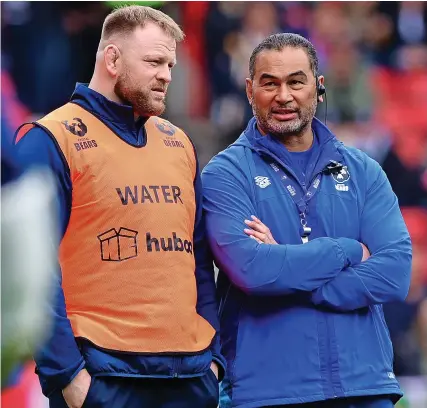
{"x":269,"y":84}
{"x":296,"y":82}
{"x":154,"y":63}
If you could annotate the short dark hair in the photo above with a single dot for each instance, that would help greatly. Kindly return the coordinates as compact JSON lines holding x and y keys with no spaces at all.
{"x":279,"y":41}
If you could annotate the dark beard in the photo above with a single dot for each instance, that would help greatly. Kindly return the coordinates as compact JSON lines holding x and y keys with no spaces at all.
{"x":139,"y":100}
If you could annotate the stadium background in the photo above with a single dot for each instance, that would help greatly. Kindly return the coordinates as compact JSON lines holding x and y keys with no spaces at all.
{"x":374,"y":58}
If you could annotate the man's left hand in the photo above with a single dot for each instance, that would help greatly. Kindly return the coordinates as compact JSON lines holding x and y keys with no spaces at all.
{"x":215,"y":370}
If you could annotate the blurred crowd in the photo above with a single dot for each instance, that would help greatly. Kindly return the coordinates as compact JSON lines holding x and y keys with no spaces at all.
{"x":373,"y":56}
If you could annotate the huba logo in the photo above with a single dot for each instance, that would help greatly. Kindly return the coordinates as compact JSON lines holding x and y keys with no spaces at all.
{"x":168,"y":244}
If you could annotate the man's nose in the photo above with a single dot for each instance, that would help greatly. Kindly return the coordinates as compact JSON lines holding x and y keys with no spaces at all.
{"x":283,"y":95}
{"x":165,"y":74}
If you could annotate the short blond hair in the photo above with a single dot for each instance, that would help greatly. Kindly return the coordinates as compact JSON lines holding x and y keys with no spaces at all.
{"x":124,"y":20}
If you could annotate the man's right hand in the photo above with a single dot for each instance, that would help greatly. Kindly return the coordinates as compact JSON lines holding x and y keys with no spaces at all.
{"x":259,"y":232}
{"x":76,"y":391}
{"x":366,"y":253}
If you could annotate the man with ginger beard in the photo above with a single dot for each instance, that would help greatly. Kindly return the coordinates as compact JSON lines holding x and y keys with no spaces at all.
{"x":310,"y":242}
{"x":135,"y":315}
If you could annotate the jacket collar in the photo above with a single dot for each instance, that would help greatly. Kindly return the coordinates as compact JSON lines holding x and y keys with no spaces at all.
{"x":119,"y":114}
{"x":267,"y":145}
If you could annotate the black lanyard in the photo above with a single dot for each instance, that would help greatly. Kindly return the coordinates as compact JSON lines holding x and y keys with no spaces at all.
{"x":301,"y":200}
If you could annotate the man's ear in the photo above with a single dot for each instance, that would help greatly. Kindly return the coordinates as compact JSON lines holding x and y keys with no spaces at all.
{"x":112,"y":59}
{"x":249,"y":90}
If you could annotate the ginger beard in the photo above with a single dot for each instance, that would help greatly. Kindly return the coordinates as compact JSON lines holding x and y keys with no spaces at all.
{"x":281,"y":129}
{"x":144,"y":100}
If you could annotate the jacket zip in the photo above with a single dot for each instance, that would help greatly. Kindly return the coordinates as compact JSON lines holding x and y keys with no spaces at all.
{"x":263,"y":152}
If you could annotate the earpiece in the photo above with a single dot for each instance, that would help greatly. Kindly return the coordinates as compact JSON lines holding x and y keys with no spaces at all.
{"x":321,"y":90}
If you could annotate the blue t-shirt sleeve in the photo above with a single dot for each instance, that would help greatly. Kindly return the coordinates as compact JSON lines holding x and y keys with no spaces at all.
{"x":58,"y":360}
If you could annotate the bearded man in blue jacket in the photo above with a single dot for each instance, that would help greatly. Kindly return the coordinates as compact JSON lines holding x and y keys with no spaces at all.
{"x":310,"y":242}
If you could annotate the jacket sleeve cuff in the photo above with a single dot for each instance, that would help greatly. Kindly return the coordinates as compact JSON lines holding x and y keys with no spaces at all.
{"x":352,"y":249}
{"x":60,"y":380}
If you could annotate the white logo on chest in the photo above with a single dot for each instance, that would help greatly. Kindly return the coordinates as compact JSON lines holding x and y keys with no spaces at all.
{"x":262,"y":182}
